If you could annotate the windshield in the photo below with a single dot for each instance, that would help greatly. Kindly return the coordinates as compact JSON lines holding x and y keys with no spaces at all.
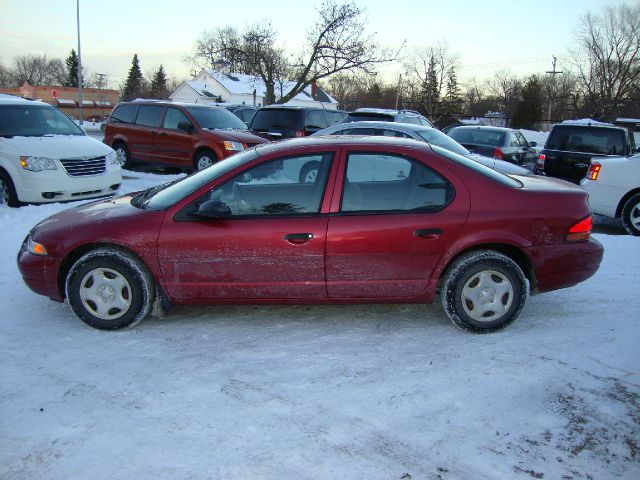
{"x":438,"y":138}
{"x":213,"y":117}
{"x":35,"y":120}
{"x":165,"y":196}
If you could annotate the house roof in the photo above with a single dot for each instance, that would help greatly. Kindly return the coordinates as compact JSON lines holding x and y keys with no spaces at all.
{"x":239,"y":84}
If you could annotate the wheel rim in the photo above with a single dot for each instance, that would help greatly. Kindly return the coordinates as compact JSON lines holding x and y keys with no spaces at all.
{"x":121,"y":154}
{"x":487,"y":296}
{"x":105,"y":293}
{"x":311,"y":175}
{"x":204,"y":161}
{"x":4,"y":192}
{"x":634,"y":216}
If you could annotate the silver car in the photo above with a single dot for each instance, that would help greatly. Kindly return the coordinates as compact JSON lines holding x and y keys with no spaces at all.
{"x":421,"y":133}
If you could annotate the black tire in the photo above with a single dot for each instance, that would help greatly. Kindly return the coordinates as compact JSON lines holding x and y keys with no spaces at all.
{"x":204,"y":159}
{"x":631,"y":215}
{"x":122,"y":152}
{"x":109,"y":289}
{"x":8,"y":194}
{"x":309,"y":171}
{"x":483,"y":291}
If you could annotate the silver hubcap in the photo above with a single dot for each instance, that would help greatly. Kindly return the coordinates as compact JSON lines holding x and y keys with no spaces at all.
{"x":122,"y":156}
{"x":204,"y":161}
{"x":4,"y":193}
{"x":310,"y":177}
{"x":105,"y":293}
{"x":634,"y":216}
{"x":487,"y":296}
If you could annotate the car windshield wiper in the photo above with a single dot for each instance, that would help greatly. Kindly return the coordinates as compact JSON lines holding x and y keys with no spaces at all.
{"x":141,"y":198}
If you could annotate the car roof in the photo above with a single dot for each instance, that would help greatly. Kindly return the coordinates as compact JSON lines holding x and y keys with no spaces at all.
{"x":6,"y":99}
{"x":295,"y":107}
{"x":484,"y":127}
{"x":399,"y":126}
{"x":142,"y":101}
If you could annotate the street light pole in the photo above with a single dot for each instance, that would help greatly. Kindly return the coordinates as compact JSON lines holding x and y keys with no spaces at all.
{"x":80,"y":104}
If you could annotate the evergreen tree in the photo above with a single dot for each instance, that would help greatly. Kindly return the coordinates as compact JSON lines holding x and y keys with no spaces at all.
{"x":529,"y":110}
{"x":158,"y":87}
{"x":453,"y":94}
{"x":431,"y":90}
{"x":71,"y":63}
{"x":134,"y":85}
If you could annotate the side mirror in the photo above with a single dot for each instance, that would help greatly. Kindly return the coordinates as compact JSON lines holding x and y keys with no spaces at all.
{"x":185,"y":126}
{"x":533,"y":144}
{"x":213,"y":209}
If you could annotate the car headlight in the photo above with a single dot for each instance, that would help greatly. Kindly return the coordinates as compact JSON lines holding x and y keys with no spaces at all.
{"x":233,"y":146}
{"x":112,"y":158}
{"x":37,"y":164}
{"x":36,"y":248}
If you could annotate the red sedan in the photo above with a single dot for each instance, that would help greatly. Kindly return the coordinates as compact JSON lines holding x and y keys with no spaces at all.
{"x":383,"y":220}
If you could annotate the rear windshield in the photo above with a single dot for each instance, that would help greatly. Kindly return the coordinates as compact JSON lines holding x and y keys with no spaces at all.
{"x":276,"y":118}
{"x":214,"y":117}
{"x":596,"y":140}
{"x":476,"y":136}
{"x":35,"y":120}
{"x":365,"y":117}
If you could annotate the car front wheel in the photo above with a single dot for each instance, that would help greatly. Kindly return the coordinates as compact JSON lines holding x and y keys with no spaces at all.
{"x":8,"y":195}
{"x":109,"y":289}
{"x":631,"y":215}
{"x":483,"y":291}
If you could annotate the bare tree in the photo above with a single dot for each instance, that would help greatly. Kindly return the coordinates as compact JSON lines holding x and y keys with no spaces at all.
{"x":336,"y":43}
{"x":38,"y":70}
{"x":608,"y":61}
{"x":507,"y":88}
{"x":6,"y":79}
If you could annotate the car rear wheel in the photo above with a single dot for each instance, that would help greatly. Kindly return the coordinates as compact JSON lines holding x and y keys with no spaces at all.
{"x":109,"y":289}
{"x":204,"y":159}
{"x":122,"y":153}
{"x":631,"y":215}
{"x":8,"y":195}
{"x":483,"y":291}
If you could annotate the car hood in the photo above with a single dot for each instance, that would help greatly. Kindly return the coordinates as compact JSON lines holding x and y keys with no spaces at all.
{"x":236,"y":135}
{"x":56,"y":146}
{"x":112,"y":220}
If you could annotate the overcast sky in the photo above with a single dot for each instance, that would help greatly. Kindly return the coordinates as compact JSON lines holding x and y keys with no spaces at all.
{"x":485,"y":35}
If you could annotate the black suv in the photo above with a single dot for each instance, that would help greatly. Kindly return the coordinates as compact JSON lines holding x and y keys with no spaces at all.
{"x":281,"y":121}
{"x":570,"y":146}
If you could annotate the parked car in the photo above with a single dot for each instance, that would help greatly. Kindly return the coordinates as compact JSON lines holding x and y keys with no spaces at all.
{"x":386,"y":220}
{"x":183,"y":135}
{"x":387,"y":115}
{"x":242,"y":111}
{"x":498,"y":142}
{"x":569,"y":147}
{"x":613,"y":184}
{"x":421,"y":133}
{"x":46,"y":157}
{"x":277,"y":122}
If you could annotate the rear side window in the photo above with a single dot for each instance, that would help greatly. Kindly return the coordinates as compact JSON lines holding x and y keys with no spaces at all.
{"x":334,"y":118}
{"x":315,"y":119}
{"x":149,"y":115}
{"x":124,"y":114}
{"x":597,"y":140}
{"x":265,"y":119}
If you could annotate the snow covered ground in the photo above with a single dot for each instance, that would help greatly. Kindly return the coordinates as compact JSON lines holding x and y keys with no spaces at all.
{"x":321,"y":392}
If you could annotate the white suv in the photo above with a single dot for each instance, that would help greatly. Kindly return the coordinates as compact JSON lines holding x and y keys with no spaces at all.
{"x":614,"y":189}
{"x":46,"y":157}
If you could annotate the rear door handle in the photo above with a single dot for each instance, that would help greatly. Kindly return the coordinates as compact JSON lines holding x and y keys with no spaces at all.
{"x":428,"y":233}
{"x":298,"y":238}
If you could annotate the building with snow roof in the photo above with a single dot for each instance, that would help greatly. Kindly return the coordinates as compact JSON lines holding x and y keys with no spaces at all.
{"x":212,"y":86}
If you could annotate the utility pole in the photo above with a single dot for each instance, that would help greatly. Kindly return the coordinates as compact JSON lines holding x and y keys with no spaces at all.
{"x":79,"y":62}
{"x":552,"y":86}
{"x":398,"y":91}
{"x":101,"y":84}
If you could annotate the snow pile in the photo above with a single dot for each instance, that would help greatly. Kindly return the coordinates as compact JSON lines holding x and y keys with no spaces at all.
{"x":317,"y":392}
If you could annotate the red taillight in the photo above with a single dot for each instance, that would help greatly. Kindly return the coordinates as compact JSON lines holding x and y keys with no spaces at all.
{"x":497,"y":153}
{"x":594,"y":171}
{"x":540,"y":161}
{"x":579,"y":232}
{"x":299,"y":133}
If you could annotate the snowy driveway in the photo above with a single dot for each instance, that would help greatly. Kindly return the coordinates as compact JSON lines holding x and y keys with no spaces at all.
{"x":322,"y":392}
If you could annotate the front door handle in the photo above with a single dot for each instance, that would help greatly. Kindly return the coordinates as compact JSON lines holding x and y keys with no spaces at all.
{"x":298,"y":238}
{"x":428,"y":233}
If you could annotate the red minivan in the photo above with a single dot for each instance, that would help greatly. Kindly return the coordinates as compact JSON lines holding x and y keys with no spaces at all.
{"x":184,"y":135}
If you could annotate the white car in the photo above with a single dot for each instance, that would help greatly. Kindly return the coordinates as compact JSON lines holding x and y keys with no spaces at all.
{"x":614,"y":189}
{"x":46,"y":157}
